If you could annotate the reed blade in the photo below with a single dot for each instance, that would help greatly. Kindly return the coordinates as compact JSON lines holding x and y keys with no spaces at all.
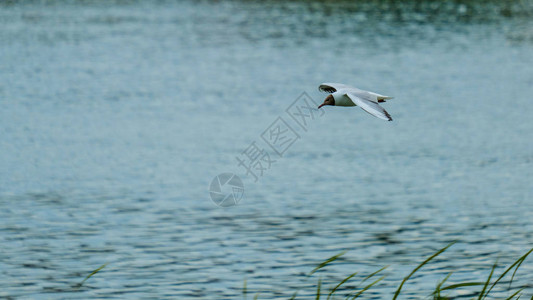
{"x":436,"y":293}
{"x":482,"y":295}
{"x":341,"y":283}
{"x":244,"y":290}
{"x":90,"y":275}
{"x":516,"y":293}
{"x":367,"y":287}
{"x":318,"y":289}
{"x":517,"y":263}
{"x":460,"y":285}
{"x":327,"y":262}
{"x":418,"y":268}
{"x":373,"y":274}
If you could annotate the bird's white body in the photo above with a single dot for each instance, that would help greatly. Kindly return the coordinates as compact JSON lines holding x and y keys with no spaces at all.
{"x":345,"y":95}
{"x":341,"y":99}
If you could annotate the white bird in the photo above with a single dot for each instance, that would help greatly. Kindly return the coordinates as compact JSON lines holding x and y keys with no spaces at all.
{"x":345,"y":95}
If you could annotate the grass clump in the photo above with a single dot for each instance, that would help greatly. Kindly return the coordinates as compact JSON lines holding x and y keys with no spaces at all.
{"x":485,"y":286}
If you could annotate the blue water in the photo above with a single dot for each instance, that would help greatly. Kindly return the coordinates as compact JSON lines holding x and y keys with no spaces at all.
{"x":114,"y":119}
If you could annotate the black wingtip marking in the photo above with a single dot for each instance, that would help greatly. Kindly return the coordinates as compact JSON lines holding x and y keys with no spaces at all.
{"x":388,"y":115}
{"x":327,"y":89}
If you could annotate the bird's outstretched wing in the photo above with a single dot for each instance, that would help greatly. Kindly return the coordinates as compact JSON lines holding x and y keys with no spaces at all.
{"x":333,"y":87}
{"x":370,"y":107}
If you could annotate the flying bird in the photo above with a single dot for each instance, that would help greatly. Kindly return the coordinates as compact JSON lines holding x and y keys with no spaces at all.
{"x":345,"y":95}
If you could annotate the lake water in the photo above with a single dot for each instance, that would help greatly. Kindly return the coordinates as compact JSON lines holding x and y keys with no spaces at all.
{"x":114,"y":119}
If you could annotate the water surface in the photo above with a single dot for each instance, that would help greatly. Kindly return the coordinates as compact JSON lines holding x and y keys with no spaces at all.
{"x":114,"y":118}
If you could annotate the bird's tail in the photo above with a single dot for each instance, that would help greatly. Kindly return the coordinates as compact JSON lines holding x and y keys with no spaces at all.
{"x":384,"y":98}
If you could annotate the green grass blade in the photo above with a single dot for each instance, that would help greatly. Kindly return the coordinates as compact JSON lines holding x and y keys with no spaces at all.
{"x":517,"y":263}
{"x":256,"y":296}
{"x":341,"y":283}
{"x":418,"y":268}
{"x":436,"y":293}
{"x":482,"y":295}
{"x":460,"y":285}
{"x":521,"y":259}
{"x":514,"y":272}
{"x":516,"y":293}
{"x":367,"y":287}
{"x":318,"y":289}
{"x":244,"y":291}
{"x":327,"y":262}
{"x":373,"y":274}
{"x":293,"y":296}
{"x":90,"y":275}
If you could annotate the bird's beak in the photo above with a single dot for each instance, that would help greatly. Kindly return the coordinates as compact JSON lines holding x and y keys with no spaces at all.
{"x":321,"y":105}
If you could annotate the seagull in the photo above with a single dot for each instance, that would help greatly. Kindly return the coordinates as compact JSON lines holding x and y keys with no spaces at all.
{"x":345,"y":95}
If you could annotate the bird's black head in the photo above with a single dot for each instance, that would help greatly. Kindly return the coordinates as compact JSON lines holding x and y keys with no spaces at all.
{"x":328,"y":101}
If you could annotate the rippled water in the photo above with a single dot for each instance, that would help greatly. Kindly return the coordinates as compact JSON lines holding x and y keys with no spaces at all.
{"x":114,"y":118}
